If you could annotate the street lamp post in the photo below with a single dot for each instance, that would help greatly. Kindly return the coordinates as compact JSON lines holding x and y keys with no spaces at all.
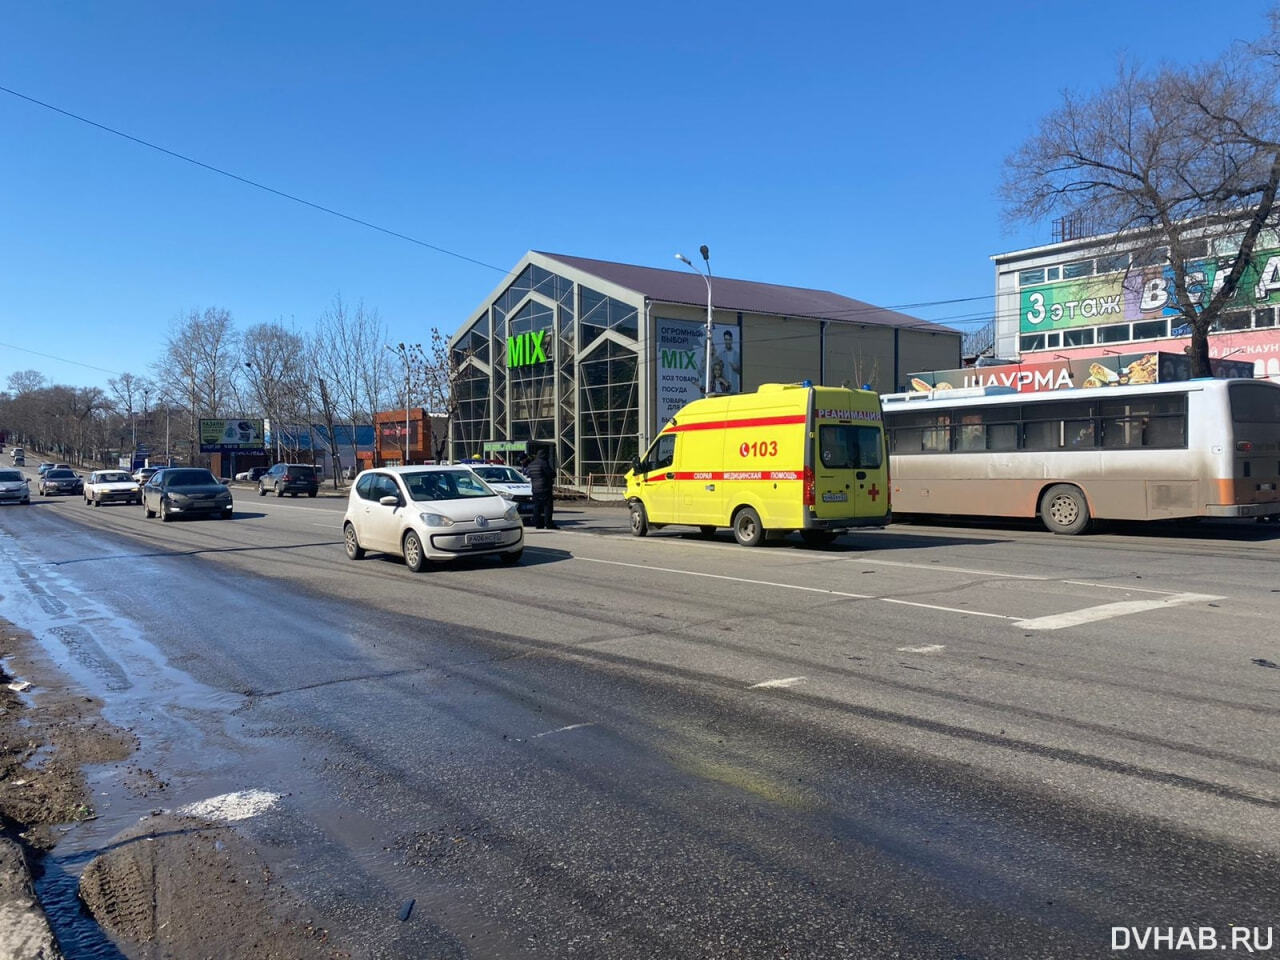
{"x":403,"y":352}
{"x":706,"y":361}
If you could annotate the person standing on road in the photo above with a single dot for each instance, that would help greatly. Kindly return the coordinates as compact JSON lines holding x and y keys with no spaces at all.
{"x":542,"y":481}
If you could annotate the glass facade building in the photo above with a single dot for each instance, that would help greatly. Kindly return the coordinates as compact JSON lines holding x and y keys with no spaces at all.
{"x":581,"y":356}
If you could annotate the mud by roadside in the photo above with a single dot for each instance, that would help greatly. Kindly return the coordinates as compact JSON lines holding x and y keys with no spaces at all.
{"x":169,"y":886}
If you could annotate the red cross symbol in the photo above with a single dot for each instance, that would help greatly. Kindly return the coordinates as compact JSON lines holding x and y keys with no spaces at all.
{"x":873,"y":492}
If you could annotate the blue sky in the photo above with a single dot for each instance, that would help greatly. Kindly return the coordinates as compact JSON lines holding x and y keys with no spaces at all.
{"x":850,"y":147}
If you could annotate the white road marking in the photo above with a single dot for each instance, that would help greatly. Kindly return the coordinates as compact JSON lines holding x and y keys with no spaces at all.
{"x":240,"y":805}
{"x":935,"y":566}
{"x":718,"y":576}
{"x":927,"y":648}
{"x":782,"y":683}
{"x":572,"y":726}
{"x":934,"y":606}
{"x":1108,"y":610}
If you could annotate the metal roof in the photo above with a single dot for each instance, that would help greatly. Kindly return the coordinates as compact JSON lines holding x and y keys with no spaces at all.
{"x":748,"y":296}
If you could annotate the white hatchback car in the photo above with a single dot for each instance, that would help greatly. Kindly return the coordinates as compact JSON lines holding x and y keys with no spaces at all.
{"x":107,"y":486}
{"x":429,"y":513}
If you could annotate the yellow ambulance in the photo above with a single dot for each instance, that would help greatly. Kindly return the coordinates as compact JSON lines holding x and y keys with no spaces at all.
{"x":790,"y":456}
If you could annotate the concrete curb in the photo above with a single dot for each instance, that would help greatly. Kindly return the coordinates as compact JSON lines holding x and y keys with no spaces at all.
{"x":24,"y":929}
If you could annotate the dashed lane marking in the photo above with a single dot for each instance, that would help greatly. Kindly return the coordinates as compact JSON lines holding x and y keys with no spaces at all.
{"x":781,"y":683}
{"x":720,"y":576}
{"x":1106,"y":611}
{"x":927,"y":648}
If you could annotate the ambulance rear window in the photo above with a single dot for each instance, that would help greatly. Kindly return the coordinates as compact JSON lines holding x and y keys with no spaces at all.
{"x":845,"y":446}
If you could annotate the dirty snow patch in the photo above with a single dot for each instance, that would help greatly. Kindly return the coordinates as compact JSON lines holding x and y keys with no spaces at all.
{"x":240,"y":805}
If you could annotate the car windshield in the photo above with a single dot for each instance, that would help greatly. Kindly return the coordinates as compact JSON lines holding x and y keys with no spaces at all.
{"x":188,"y":478}
{"x":445,"y":485}
{"x":500,"y":475}
{"x":113,"y":478}
{"x":60,"y":475}
{"x":9,"y":476}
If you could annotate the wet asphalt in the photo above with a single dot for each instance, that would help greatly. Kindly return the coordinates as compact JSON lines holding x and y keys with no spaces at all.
{"x":572,"y":758}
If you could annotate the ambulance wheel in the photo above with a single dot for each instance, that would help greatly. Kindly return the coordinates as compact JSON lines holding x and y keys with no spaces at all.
{"x":639,"y":519}
{"x":747,"y":529}
{"x":1064,"y":509}
{"x":817,"y":538}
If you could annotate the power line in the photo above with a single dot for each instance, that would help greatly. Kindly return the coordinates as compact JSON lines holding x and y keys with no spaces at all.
{"x":252,"y":183}
{"x":51,"y":356}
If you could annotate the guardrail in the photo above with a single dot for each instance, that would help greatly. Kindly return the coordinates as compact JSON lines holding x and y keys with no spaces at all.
{"x":606,"y":486}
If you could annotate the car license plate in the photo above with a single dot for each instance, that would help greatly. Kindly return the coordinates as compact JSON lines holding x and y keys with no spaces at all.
{"x":475,"y":538}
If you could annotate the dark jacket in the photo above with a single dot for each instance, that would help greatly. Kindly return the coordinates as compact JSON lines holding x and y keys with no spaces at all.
{"x":541,"y":477}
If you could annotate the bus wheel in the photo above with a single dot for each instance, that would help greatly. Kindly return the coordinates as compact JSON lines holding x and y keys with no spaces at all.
{"x":747,"y":529}
{"x":639,"y":519}
{"x":817,"y":538}
{"x":1064,"y":510}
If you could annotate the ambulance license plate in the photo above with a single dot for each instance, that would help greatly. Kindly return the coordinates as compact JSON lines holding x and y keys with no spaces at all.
{"x":474,"y":539}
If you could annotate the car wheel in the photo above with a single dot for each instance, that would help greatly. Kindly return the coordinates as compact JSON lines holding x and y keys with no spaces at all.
{"x":817,"y":538}
{"x":262,"y":491}
{"x":414,"y":557}
{"x":147,"y":513}
{"x":279,"y":490}
{"x":164,"y":512}
{"x":747,"y":529}
{"x":352,"y":542}
{"x":639,"y":519}
{"x":312,"y":493}
{"x":93,"y":501}
{"x":513,"y":557}
{"x":1064,"y":509}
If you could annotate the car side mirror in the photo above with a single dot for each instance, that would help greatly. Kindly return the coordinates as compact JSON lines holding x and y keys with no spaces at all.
{"x":635,"y":464}
{"x":390,"y":501}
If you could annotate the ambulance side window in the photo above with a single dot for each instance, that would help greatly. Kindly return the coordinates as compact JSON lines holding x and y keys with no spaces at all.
{"x":663,"y":453}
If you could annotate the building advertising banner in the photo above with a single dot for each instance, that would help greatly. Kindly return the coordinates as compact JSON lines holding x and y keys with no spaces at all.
{"x":681,"y":357}
{"x":232,"y":436}
{"x":1085,"y":372}
{"x":1143,"y":293}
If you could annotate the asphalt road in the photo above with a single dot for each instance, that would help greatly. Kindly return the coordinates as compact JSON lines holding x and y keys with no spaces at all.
{"x":931,"y":741}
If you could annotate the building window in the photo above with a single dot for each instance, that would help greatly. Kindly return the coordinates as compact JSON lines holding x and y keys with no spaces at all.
{"x":601,"y":313}
{"x":1234,"y":320}
{"x":1264,"y":317}
{"x":1030,"y":277}
{"x":1113,"y":334}
{"x":1053,"y":273}
{"x":1081,"y":268}
{"x":1031,"y":341}
{"x":1151,"y":330}
{"x":1115,"y":263}
{"x":1053,"y":340}
{"x":1079,"y":337}
{"x":608,"y":409}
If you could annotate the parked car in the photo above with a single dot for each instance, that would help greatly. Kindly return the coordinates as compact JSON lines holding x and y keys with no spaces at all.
{"x":143,"y":474}
{"x":185,"y":492}
{"x":111,"y":486}
{"x":429,"y":513}
{"x":251,"y":475}
{"x":291,"y":478}
{"x":507,"y":482}
{"x":60,"y":480}
{"x":14,"y":487}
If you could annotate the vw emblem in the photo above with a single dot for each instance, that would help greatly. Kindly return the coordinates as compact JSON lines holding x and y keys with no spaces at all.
{"x":482,"y":521}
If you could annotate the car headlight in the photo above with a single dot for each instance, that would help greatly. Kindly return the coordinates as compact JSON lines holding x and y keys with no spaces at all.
{"x":435,"y":520}
{"x":513,"y":512}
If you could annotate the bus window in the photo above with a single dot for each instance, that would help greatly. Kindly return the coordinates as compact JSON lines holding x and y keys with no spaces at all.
{"x":1254,"y":403}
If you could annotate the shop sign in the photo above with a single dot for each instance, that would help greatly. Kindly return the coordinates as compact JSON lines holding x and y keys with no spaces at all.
{"x":525,"y":349}
{"x":1086,"y":372}
{"x":682,"y":350}
{"x":1143,"y":293}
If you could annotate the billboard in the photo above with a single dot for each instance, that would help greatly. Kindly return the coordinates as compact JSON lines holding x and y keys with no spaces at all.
{"x":232,"y":436}
{"x":1143,"y":293}
{"x":682,"y":358}
{"x":1087,"y":372}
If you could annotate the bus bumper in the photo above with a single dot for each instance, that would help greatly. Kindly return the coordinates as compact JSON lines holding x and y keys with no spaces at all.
{"x":1243,"y":509}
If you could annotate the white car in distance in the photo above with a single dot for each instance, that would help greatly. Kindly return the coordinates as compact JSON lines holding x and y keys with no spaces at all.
{"x":429,"y":513}
{"x":111,"y":486}
{"x":507,"y":482}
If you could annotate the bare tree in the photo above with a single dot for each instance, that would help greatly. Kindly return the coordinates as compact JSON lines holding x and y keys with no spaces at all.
{"x":127,"y":391}
{"x":25,"y":381}
{"x":434,"y":372}
{"x":1167,"y":160}
{"x":349,"y":356}
{"x":200,"y":365}
{"x":277,"y":370}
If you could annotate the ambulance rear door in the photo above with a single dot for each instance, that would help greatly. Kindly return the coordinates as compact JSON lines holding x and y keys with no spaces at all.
{"x":849,"y":469}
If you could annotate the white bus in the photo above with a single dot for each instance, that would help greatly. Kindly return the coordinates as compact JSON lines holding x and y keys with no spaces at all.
{"x":1199,"y":448}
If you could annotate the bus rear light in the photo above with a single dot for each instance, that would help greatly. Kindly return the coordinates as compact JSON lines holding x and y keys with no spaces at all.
{"x":1244,"y":446}
{"x":810,"y":499}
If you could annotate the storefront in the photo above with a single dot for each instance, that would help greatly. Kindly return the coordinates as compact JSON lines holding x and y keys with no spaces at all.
{"x":1085,"y":299}
{"x":590,"y":358}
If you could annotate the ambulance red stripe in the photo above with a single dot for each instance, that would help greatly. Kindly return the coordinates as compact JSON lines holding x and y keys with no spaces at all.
{"x":735,"y":424}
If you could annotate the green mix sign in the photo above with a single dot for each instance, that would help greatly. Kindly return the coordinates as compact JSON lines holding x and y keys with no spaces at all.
{"x":525,"y":349}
